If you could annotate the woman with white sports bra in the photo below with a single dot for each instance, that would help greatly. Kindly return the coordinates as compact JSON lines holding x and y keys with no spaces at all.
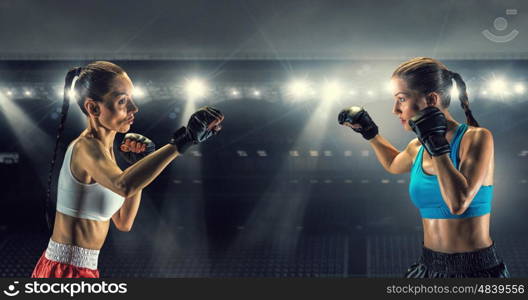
{"x":92,"y":189}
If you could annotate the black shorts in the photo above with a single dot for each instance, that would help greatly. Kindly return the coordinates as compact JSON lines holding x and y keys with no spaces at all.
{"x":479,"y":264}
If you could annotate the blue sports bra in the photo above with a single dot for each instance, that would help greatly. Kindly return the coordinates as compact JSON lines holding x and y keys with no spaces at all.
{"x":424,"y":189}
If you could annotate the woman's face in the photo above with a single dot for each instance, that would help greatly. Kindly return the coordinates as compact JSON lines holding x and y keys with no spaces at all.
{"x":118,"y":108}
{"x":406,"y":102}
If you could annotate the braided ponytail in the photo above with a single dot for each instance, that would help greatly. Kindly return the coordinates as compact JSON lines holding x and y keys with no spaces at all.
{"x":69,"y":83}
{"x":464,"y":101}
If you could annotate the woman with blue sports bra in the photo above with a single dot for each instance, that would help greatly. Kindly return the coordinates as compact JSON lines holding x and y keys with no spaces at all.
{"x":451,"y":170}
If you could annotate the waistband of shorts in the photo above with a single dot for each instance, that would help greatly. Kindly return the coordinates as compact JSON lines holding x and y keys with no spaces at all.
{"x":464,"y":262}
{"x":72,"y":255}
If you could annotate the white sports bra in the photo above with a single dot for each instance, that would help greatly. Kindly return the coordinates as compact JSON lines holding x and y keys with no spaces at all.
{"x":81,"y":200}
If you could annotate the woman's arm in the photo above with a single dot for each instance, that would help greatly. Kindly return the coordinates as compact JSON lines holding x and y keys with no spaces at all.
{"x":460,"y":187}
{"x":103,"y":169}
{"x":203,"y":124}
{"x":124,"y":218}
{"x":394,"y":161}
{"x":391,"y":159}
{"x":143,"y":172}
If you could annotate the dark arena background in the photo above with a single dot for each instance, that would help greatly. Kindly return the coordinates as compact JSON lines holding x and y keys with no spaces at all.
{"x":283,"y":190}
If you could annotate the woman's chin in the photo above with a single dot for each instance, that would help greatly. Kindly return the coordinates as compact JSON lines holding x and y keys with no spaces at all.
{"x":124,"y":129}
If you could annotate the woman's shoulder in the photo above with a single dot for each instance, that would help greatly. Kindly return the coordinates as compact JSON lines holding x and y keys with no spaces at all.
{"x":86,"y":145}
{"x":476,"y":134}
{"x":476,"y":138}
{"x":414,"y":145}
{"x":93,"y":147}
{"x":85,"y":141}
{"x":81,"y":146}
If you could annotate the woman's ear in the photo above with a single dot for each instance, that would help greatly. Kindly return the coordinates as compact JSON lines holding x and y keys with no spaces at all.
{"x":432,"y":99}
{"x":91,"y":107}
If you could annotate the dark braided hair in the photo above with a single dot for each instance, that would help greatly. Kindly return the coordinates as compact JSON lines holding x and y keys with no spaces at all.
{"x":427,"y":75}
{"x":92,"y":81}
{"x":464,"y":101}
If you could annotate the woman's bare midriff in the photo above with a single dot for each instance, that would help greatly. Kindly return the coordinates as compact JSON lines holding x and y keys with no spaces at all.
{"x":457,"y":235}
{"x":85,"y":233}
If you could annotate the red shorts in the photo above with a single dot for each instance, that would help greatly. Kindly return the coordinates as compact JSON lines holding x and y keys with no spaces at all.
{"x":66,"y":261}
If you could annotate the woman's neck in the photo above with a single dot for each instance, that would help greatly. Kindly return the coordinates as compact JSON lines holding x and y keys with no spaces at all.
{"x":102,"y":134}
{"x":452,"y":124}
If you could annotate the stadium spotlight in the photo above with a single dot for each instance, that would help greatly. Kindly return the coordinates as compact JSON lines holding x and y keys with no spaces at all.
{"x":298,"y":89}
{"x":195,"y":88}
{"x":519,"y":88}
{"x":234,"y":92}
{"x":332,"y":90}
{"x":497,"y":86}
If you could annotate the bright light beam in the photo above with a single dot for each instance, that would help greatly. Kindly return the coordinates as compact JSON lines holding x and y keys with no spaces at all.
{"x":497,"y":87}
{"x":332,"y":90}
{"x":519,"y":88}
{"x":195,"y":89}
{"x":298,"y":89}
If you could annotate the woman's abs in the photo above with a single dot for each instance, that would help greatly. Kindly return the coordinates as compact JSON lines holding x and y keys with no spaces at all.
{"x":84,"y":233}
{"x":457,"y":235}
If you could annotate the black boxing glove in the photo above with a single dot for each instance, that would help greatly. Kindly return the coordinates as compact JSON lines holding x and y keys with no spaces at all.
{"x":203,"y":124}
{"x":357,"y":115}
{"x":430,"y":125}
{"x":130,"y":156}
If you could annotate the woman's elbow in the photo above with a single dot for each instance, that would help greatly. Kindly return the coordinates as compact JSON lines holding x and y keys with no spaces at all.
{"x":391,"y":171}
{"x":457,"y":211}
{"x":121,"y":226}
{"x":125,"y":228}
{"x":124,"y":189}
{"x":459,"y":208}
{"x":396,"y":171}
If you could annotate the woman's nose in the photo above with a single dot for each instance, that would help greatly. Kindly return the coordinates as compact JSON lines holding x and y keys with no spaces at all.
{"x":133,"y":107}
{"x":396,"y":108}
